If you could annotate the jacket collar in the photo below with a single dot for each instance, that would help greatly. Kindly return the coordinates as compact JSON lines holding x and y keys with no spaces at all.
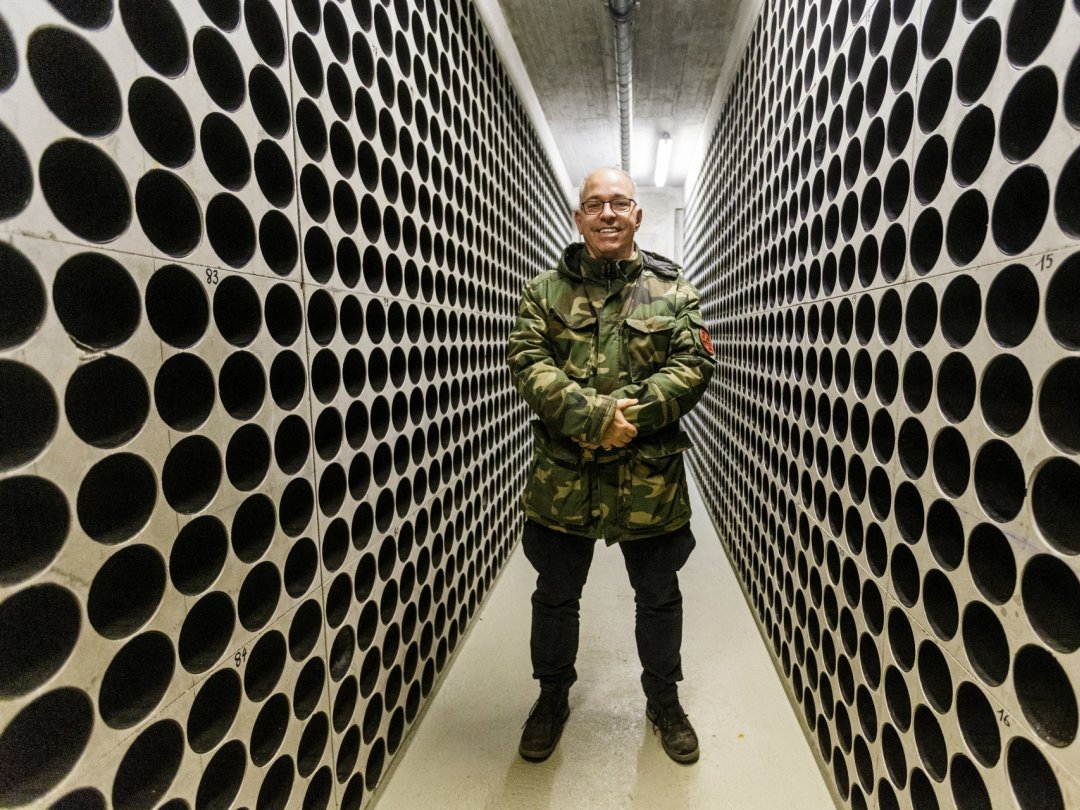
{"x":576,"y":263}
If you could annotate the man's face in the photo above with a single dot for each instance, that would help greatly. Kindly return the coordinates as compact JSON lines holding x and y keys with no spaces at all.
{"x":608,"y":235}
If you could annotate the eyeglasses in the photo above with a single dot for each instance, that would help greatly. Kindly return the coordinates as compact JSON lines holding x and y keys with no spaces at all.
{"x":620,"y":205}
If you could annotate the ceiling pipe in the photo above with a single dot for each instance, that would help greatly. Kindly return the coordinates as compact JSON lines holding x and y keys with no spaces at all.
{"x":622,"y":15}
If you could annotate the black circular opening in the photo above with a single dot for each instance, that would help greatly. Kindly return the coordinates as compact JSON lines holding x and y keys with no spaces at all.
{"x":176,"y":306}
{"x":242,"y":385}
{"x":956,"y":387}
{"x":85,"y":190}
{"x":230,"y":229}
{"x":161,"y":122}
{"x":1046,"y":695}
{"x":184,"y":392}
{"x":214,"y":710}
{"x":999,"y":481}
{"x":191,"y":475}
{"x":1055,"y":509}
{"x":264,"y":28}
{"x":1012,"y":305}
{"x":225,"y":151}
{"x":967,"y":226}
{"x":222,"y":777}
{"x":930,"y":169}
{"x":136,"y":680}
{"x":155,"y":29}
{"x":40,"y":611}
{"x":253,"y":527}
{"x":929,"y":230}
{"x":126,"y":591}
{"x":1031,"y":25}
{"x":934,"y":95}
{"x":1051,"y":594}
{"x":277,"y":239}
{"x":985,"y":643}
{"x":198,"y":555}
{"x":978,"y":723}
{"x":116,"y":498}
{"x":972,"y":145}
{"x":269,"y":101}
{"x":206,"y":633}
{"x":1032,"y":779}
{"x":74,"y":81}
{"x":1020,"y":209}
{"x":247,"y":458}
{"x":1028,"y":113}
{"x":168,"y":212}
{"x":43,"y":743}
{"x":952,"y":462}
{"x":149,"y":766}
{"x":107,"y":402}
{"x":978,"y":60}
{"x":219,"y":69}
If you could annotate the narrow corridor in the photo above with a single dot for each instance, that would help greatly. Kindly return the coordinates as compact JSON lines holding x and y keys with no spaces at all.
{"x":754,"y":757}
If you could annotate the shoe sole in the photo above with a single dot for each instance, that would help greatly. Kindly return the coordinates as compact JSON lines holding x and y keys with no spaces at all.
{"x":541,"y":755}
{"x":684,"y":759}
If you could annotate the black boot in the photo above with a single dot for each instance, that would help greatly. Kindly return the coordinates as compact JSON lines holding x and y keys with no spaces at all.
{"x":676,"y":734}
{"x":544,"y":726}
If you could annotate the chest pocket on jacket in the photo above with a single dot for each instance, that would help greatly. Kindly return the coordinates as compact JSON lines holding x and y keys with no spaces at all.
{"x":572,"y":340}
{"x":647,"y":341}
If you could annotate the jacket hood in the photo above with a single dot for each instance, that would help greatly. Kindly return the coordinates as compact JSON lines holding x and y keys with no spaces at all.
{"x":573,"y":256}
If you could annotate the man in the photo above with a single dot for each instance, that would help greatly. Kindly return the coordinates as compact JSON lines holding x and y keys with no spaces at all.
{"x":609,"y":350}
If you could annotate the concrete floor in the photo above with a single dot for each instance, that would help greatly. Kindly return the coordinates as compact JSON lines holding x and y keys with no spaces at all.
{"x":753,"y":753}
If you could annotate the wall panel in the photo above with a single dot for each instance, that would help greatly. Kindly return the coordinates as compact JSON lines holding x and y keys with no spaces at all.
{"x":259,"y":452}
{"x":885,"y":236}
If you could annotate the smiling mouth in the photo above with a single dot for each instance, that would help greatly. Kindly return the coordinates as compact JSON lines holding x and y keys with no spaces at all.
{"x":608,"y":230}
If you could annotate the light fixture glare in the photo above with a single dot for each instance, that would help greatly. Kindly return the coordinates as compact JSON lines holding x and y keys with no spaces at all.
{"x":663,"y":159}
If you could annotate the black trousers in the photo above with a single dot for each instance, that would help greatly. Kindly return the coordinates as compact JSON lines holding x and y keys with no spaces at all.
{"x":562,"y":565}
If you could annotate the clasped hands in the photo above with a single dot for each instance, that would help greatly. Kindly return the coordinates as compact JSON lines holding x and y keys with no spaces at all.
{"x":619,"y":433}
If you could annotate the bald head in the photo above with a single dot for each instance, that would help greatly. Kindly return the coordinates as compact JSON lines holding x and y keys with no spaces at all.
{"x":602,"y":174}
{"x":608,"y":234}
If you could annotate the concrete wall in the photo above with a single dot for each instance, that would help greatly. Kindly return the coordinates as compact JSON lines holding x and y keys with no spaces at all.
{"x":885,"y":234}
{"x":259,"y":451}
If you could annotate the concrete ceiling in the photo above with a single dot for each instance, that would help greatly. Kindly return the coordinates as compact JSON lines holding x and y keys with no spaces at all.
{"x":681,"y":50}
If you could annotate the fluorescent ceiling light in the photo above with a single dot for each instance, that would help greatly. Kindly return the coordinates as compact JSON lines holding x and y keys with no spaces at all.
{"x":663,"y":158}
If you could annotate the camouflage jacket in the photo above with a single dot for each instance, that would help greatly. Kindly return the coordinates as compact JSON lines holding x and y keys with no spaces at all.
{"x":588,"y":333}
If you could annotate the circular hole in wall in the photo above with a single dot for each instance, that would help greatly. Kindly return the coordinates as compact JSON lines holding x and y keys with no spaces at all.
{"x":116,"y":498}
{"x":230,"y":229}
{"x":1020,"y":209}
{"x":65,"y":718}
{"x":41,"y":611}
{"x":191,"y":474}
{"x":978,"y":60}
{"x":225,"y":151}
{"x":1031,"y":25}
{"x":198,"y":555}
{"x":161,"y":122}
{"x":149,"y":766}
{"x":126,"y":591}
{"x":176,"y":306}
{"x":219,"y":69}
{"x":155,"y":29}
{"x":107,"y":402}
{"x":74,"y":81}
{"x":85,"y":190}
{"x":213,"y":710}
{"x":136,"y":680}
{"x":1012,"y":305}
{"x":985,"y":643}
{"x":972,"y":145}
{"x":1032,"y":779}
{"x":206,"y":632}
